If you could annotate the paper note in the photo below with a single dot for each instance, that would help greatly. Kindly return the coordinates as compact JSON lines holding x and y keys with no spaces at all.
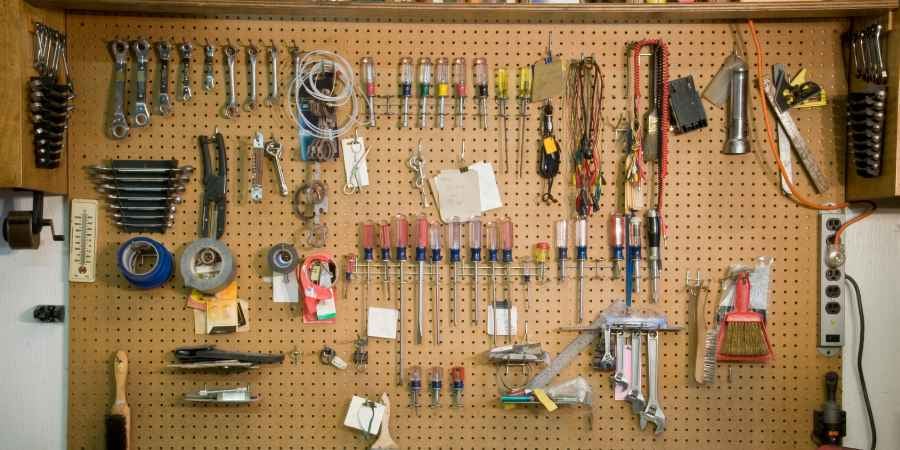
{"x":503,"y":321}
{"x":383,"y":323}
{"x":355,"y":168}
{"x":285,"y":288}
{"x":364,"y":416}
{"x":457,"y":194}
{"x":488,"y":192}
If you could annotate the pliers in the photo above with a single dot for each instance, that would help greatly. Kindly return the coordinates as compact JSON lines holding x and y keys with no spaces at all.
{"x":215,"y":185}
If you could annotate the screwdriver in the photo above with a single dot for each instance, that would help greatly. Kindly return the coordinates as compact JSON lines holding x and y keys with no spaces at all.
{"x":617,"y":243}
{"x":475,"y":249}
{"x":401,"y":236}
{"x":425,"y":80}
{"x":458,"y":377}
{"x":562,"y":248}
{"x":442,"y":87}
{"x":455,"y":237}
{"x":368,"y":239}
{"x":527,"y":273}
{"x":634,"y":251}
{"x":422,"y":243}
{"x":541,"y":256}
{"x":501,"y":93}
{"x":491,"y":230}
{"x":580,"y":257}
{"x":406,"y":77}
{"x":385,"y":238}
{"x":415,"y":385}
{"x":523,"y":94}
{"x":459,"y":89}
{"x":368,"y":79}
{"x":437,"y":382}
{"x":480,"y":68}
{"x":434,"y":238}
{"x":506,"y":236}
{"x":654,"y":260}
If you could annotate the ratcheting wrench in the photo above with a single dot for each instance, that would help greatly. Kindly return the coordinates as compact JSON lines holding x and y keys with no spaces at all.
{"x":118,"y":125}
{"x":164,"y":53}
{"x":184,"y":51}
{"x":140,"y":113}
{"x":209,"y":57}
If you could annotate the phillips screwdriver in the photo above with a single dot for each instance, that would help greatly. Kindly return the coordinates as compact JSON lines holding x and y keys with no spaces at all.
{"x":434,"y":241}
{"x":406,"y":77}
{"x":368,"y":241}
{"x":421,"y":244}
{"x":455,"y":238}
{"x":480,"y":81}
{"x":425,"y":81}
{"x":654,"y":260}
{"x":459,"y":90}
{"x":442,"y":87}
{"x":385,"y":241}
{"x":580,"y":257}
{"x":401,"y":236}
{"x":523,"y":94}
{"x":458,"y":377}
{"x":634,"y":251}
{"x":437,"y":382}
{"x":415,"y":385}
{"x":475,"y":249}
{"x":562,"y":248}
{"x":501,"y":93}
{"x":368,"y":79}
{"x":617,"y":243}
{"x":491,"y":230}
{"x":506,"y":238}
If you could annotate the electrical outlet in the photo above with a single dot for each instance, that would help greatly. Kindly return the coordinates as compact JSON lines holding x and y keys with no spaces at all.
{"x":831,"y":289}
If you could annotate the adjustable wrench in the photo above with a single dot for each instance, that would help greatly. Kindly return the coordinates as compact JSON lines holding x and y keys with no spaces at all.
{"x":619,"y":376}
{"x":653,"y":412}
{"x":635,"y":396}
{"x":250,"y":101}
{"x":118,"y":125}
{"x":607,"y":362}
{"x":231,"y":109}
{"x":209,"y":79}
{"x":140,"y":113}
{"x":184,"y":50}
{"x":164,"y":53}
{"x":274,"y":96}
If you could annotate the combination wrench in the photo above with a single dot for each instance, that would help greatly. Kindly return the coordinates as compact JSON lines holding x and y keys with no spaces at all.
{"x":118,"y":125}
{"x":635,"y":396}
{"x":274,"y":151}
{"x":209,"y":79}
{"x":653,"y":412}
{"x":164,"y":53}
{"x":140,"y":114}
{"x":231,"y":109}
{"x":274,"y":96}
{"x":250,"y":101}
{"x":184,"y":51}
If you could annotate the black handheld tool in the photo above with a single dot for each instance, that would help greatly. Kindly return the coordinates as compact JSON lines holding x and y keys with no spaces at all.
{"x":830,"y":423}
{"x":215,"y":184}
{"x":209,"y":353}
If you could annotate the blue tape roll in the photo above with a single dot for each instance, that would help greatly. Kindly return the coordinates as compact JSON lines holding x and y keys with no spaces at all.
{"x":153,"y":277}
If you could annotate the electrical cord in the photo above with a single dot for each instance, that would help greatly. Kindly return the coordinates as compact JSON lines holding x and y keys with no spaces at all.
{"x":859,"y":359}
{"x":312,"y":65}
{"x":799,"y":198}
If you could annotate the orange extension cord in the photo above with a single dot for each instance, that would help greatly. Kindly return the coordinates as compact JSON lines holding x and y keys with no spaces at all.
{"x":770,"y":134}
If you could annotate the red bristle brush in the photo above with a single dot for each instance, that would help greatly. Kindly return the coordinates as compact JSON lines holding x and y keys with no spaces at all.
{"x":742,"y":334}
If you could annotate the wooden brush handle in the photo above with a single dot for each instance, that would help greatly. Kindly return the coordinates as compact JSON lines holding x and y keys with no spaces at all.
{"x":699,"y":336}
{"x":742,"y":293}
{"x":120,"y":369}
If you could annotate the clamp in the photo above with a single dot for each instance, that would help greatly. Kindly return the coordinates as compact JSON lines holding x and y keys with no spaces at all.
{"x":215,"y":185}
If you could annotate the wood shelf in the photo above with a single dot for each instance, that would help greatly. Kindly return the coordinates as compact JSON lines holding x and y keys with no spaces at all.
{"x":494,"y":13}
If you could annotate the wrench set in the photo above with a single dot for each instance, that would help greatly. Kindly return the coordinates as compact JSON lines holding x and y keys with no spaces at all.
{"x":50,"y":101}
{"x":141,"y":195}
{"x":866,"y":103}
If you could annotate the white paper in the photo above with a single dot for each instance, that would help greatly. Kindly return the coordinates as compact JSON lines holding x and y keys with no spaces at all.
{"x":355,"y":155}
{"x":457,"y":194}
{"x":488,"y":191}
{"x":285,"y":288}
{"x":383,"y":322}
{"x":360,"y":417}
{"x":503,"y":322}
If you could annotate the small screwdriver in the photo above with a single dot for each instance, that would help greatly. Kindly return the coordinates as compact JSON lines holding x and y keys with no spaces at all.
{"x":617,"y":243}
{"x":442,"y":87}
{"x":425,"y":81}
{"x":406,"y":77}
{"x":458,"y":377}
{"x":523,"y":94}
{"x":434,"y":241}
{"x":437,"y":382}
{"x":459,"y":90}
{"x":580,"y":257}
{"x":634,"y":251}
{"x":562,"y":248}
{"x":506,"y":238}
{"x":541,"y":256}
{"x":385,"y":243}
{"x":475,"y":251}
{"x":501,"y":93}
{"x":415,"y":386}
{"x":454,"y":235}
{"x":480,"y":81}
{"x":527,"y":273}
{"x":368,"y":79}
{"x":654,"y":261}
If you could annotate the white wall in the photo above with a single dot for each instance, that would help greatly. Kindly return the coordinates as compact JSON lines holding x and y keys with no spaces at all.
{"x":33,"y":356}
{"x":873,"y":259}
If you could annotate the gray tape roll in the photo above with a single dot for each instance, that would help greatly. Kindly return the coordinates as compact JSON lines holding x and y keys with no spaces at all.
{"x":283,"y":258}
{"x":207,"y":265}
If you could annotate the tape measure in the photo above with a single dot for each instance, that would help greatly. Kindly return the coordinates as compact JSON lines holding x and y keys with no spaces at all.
{"x":83,"y":241}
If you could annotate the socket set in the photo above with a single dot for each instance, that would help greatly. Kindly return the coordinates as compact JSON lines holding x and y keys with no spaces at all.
{"x":141,"y":195}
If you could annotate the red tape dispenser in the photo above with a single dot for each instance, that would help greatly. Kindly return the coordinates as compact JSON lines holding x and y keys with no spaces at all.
{"x":317,"y":275}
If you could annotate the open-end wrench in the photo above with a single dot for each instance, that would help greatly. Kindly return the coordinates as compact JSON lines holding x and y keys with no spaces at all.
{"x":140,"y":114}
{"x":881,"y":73}
{"x":209,"y":57}
{"x":118,"y":124}
{"x":635,"y":396}
{"x":184,"y":51}
{"x":607,"y":362}
{"x":250,"y":101}
{"x":164,"y":53}
{"x":274,"y":96}
{"x":170,"y":198}
{"x":274,"y":151}
{"x":170,"y":218}
{"x":653,"y":412}
{"x":231,"y":108}
{"x":117,"y":207}
{"x":619,"y":376}
{"x":126,"y":188}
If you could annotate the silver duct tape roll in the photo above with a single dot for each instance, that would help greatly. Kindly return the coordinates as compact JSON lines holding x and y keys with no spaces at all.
{"x":283,"y":258}
{"x":207,"y":265}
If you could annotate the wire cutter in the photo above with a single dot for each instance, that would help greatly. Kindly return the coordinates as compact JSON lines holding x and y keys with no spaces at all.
{"x":214,"y":184}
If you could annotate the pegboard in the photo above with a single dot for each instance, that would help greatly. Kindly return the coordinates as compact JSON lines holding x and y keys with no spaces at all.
{"x":720,"y":209}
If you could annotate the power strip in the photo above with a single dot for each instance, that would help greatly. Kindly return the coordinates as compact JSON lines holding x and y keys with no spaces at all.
{"x":832,"y":291}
